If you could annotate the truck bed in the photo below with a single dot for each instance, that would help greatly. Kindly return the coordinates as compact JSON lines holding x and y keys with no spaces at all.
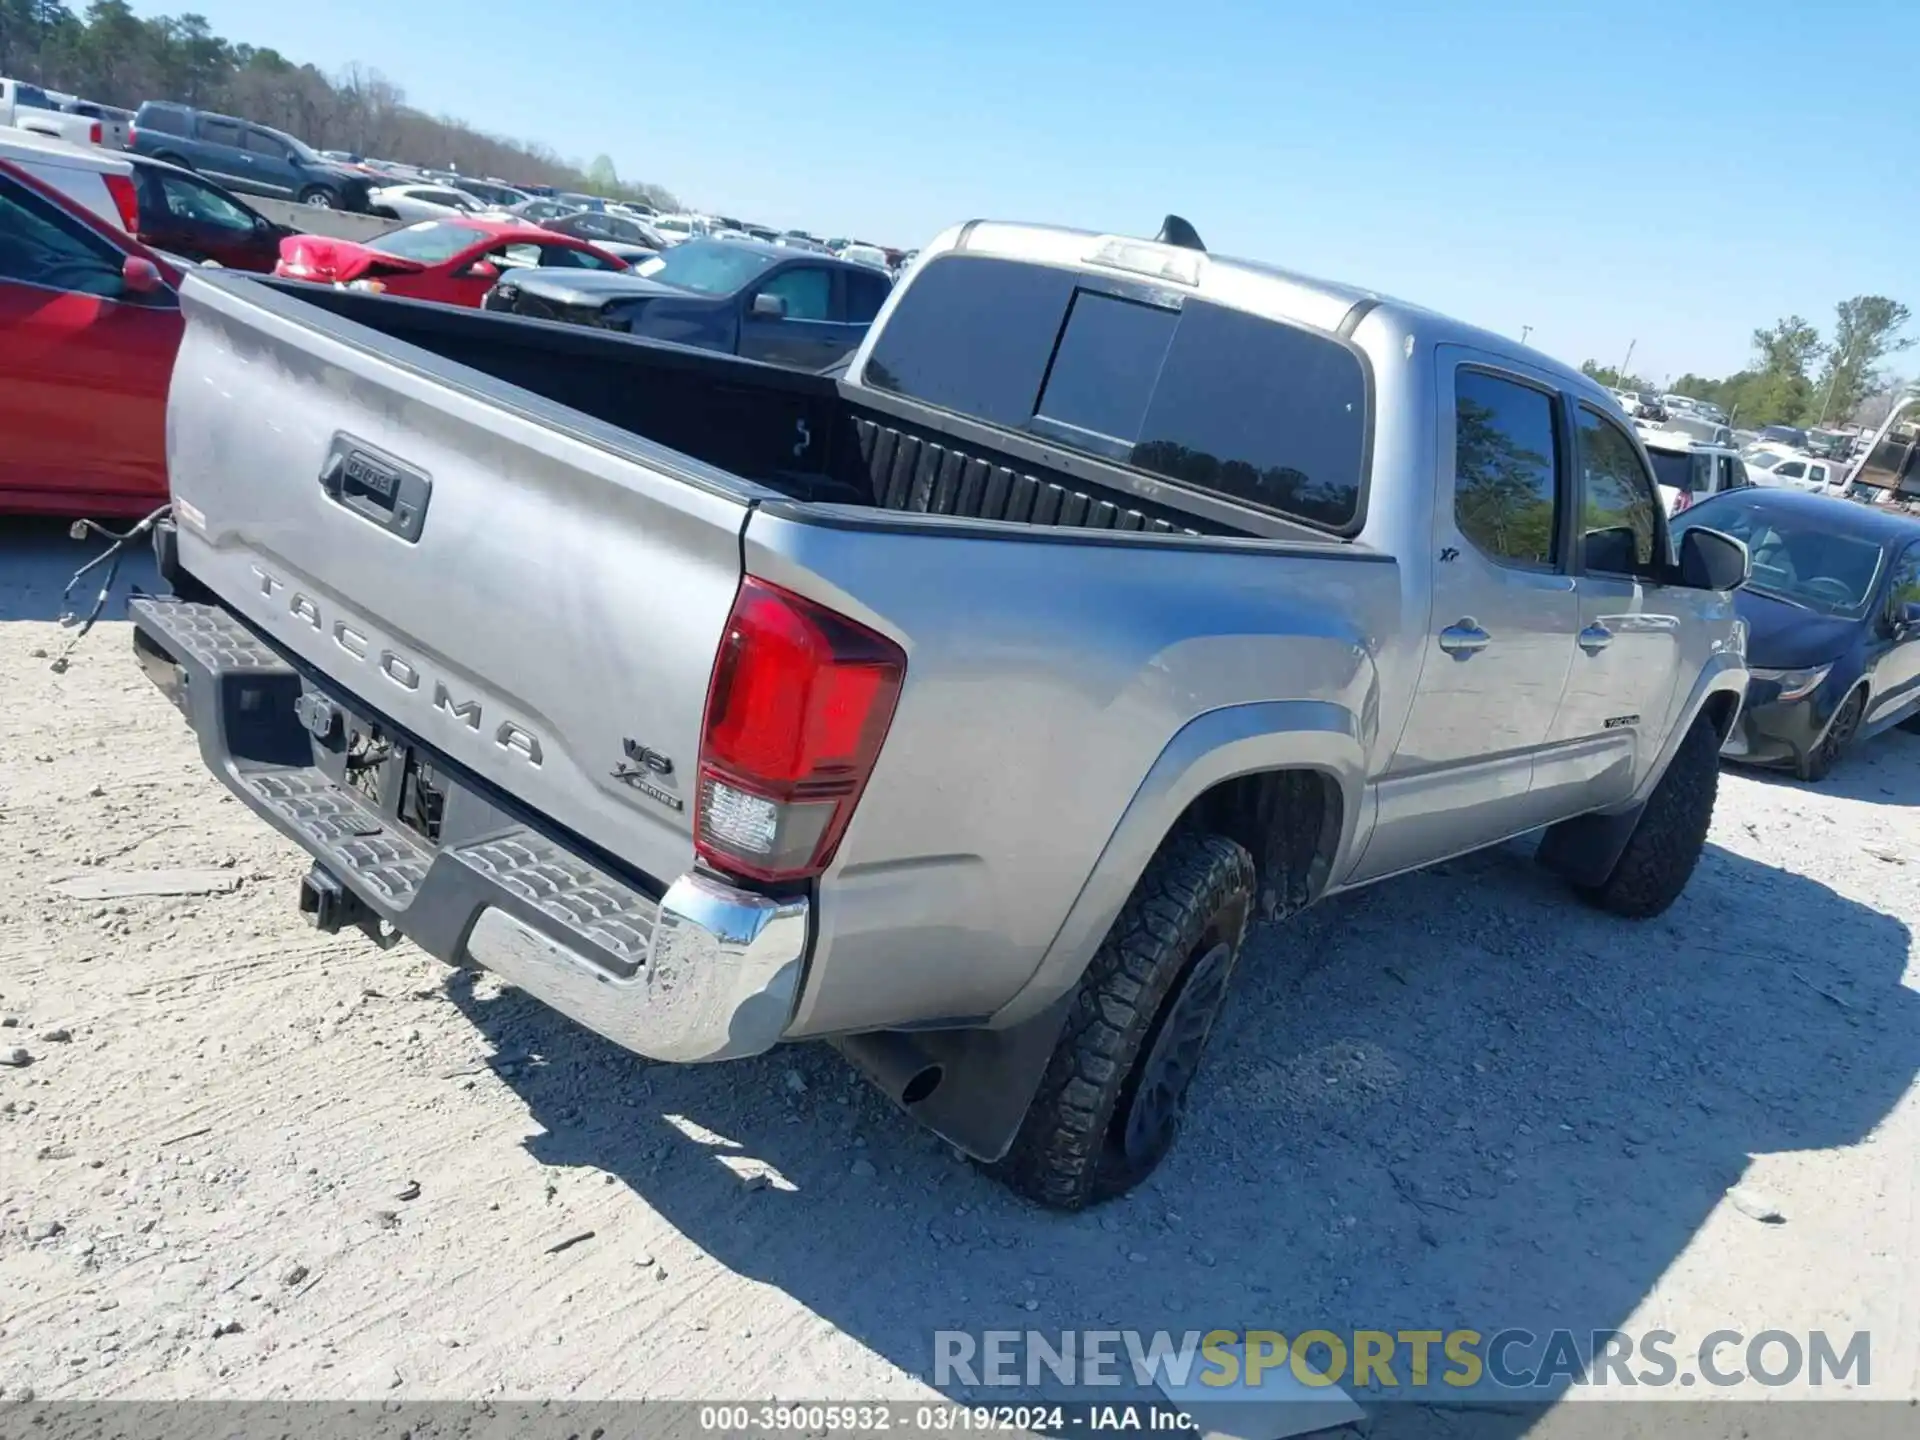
{"x":800,"y":436}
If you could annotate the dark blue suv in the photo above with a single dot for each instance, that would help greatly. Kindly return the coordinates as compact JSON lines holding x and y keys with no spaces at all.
{"x":246,"y":157}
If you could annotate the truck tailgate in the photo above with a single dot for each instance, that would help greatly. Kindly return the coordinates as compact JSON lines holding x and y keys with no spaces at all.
{"x":529,"y":592}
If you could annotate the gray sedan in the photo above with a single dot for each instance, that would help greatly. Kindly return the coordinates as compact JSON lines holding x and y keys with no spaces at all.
{"x":742,"y":297}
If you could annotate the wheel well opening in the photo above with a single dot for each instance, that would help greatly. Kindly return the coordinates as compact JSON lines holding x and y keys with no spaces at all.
{"x":1288,"y":820}
{"x":1720,"y":710}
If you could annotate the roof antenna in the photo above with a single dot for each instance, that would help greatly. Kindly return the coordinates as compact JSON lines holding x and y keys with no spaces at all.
{"x":1175,"y":231}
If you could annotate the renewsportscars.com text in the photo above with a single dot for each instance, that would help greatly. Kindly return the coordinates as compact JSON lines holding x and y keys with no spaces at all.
{"x":1513,"y":1358}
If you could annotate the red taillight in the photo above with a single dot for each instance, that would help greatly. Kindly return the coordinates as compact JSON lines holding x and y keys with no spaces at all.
{"x":125,"y":200}
{"x":93,"y":132}
{"x":798,"y":709}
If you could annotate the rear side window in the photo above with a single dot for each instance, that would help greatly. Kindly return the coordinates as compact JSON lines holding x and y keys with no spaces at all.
{"x":220,"y":132}
{"x":1246,"y":408}
{"x":1260,"y":412}
{"x":1505,"y":469}
{"x":865,"y":295}
{"x":168,"y":119}
{"x":973,"y":336}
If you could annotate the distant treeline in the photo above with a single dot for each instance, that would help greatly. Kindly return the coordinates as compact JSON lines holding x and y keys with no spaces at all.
{"x":110,"y":55}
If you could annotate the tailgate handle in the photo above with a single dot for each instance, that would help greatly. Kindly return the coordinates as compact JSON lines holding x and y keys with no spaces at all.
{"x":380,"y":488}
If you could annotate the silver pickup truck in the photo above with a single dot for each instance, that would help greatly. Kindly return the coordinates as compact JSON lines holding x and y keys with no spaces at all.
{"x":961,"y":710}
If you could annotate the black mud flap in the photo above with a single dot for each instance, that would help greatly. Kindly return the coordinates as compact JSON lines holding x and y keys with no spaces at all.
{"x":1585,"y":849}
{"x":970,"y":1087}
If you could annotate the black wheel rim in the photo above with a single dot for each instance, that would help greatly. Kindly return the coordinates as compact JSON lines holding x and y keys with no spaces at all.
{"x":1160,"y":1096}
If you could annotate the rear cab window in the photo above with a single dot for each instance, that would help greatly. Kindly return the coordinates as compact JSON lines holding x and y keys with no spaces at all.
{"x":1253,"y":410}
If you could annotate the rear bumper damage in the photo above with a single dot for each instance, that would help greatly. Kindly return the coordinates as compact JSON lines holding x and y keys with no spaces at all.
{"x":701,"y":971}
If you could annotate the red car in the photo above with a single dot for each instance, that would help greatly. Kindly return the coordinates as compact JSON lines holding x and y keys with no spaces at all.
{"x":91,"y":325}
{"x":452,"y":261}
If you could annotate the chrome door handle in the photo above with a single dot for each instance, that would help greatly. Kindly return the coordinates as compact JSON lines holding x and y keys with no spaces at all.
{"x":1463,"y":638}
{"x":1595,"y":638}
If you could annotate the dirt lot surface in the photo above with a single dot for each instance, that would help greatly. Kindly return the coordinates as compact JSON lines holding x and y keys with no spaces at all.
{"x":248,"y":1160}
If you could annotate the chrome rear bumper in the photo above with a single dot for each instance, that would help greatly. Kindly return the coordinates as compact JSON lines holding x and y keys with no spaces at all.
{"x":706,"y":972}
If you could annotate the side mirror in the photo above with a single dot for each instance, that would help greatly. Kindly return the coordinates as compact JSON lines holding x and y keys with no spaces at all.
{"x":770,"y":307}
{"x":1712,"y":561}
{"x":141,"y":276}
{"x":483,"y":270}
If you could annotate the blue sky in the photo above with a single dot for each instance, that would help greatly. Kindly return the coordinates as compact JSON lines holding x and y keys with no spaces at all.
{"x":1675,"y":173}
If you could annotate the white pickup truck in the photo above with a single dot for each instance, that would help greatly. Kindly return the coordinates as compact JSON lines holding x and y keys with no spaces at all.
{"x":28,"y":107}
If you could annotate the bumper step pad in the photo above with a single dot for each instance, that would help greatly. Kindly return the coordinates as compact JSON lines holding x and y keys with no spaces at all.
{"x":240,"y":695}
{"x":208,"y":634}
{"x":343,"y":832}
{"x":598,"y":909}
{"x":708,"y":972}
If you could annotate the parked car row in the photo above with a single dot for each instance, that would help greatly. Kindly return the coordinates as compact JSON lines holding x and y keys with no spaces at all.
{"x":85,"y":379}
{"x":743,"y":297}
{"x":243,"y":156}
{"x":61,"y":117}
{"x":175,"y":211}
{"x":452,"y":262}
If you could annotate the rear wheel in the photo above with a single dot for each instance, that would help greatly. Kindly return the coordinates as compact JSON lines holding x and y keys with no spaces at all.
{"x":1111,"y":1101}
{"x":1818,"y":763}
{"x":319,"y":197}
{"x":1665,"y":846}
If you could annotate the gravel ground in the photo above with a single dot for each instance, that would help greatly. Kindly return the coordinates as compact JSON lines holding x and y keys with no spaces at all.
{"x":248,"y":1160}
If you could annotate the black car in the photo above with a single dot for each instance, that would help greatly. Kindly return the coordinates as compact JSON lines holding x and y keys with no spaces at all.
{"x":763,"y":302}
{"x":1833,"y":623}
{"x":245,"y":157}
{"x":188,"y":215}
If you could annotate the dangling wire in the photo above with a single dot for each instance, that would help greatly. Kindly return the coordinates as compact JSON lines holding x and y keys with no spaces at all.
{"x":110,"y":557}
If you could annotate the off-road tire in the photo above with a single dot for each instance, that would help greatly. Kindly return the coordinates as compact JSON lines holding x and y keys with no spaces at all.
{"x":1196,"y":895}
{"x":1665,"y":846}
{"x":1818,"y":762}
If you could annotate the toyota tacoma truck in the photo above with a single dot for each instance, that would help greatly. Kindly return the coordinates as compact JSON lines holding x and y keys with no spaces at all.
{"x":961,"y":710}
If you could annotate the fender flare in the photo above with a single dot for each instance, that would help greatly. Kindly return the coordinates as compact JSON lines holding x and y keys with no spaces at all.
{"x":1725,"y":673}
{"x":1213,"y":747}
{"x":1585,"y":849}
